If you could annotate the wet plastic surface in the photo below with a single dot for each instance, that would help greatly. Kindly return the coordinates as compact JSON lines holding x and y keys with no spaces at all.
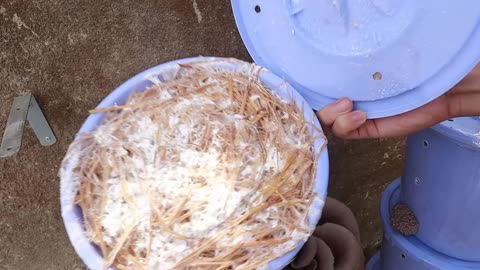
{"x":388,"y":56}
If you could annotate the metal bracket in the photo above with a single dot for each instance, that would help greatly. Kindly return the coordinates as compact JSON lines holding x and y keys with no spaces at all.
{"x":25,"y":108}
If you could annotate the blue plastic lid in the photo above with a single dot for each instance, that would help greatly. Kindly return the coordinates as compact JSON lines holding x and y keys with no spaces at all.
{"x":388,"y":56}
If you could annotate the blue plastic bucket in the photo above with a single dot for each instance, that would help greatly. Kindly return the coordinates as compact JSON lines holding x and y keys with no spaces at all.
{"x":441,"y":184}
{"x":72,"y":215}
{"x":401,"y":252}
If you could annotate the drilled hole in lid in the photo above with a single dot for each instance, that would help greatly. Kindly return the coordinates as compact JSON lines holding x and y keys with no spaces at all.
{"x":258,"y":9}
{"x":377,"y":76}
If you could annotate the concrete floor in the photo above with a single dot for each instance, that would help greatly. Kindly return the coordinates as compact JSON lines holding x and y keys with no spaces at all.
{"x":70,"y":54}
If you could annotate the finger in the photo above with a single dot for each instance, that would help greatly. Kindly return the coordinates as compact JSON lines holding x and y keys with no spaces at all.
{"x":475,"y":71}
{"x":348,"y":123}
{"x":464,"y":105}
{"x":404,"y":124}
{"x":471,"y":83}
{"x":329,"y":113}
{"x":410,"y":122}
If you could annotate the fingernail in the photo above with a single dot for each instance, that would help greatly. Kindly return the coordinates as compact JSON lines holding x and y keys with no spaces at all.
{"x":341,"y":105}
{"x":358,"y":116}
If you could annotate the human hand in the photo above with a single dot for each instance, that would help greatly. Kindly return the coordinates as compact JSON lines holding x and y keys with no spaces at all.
{"x":462,"y":100}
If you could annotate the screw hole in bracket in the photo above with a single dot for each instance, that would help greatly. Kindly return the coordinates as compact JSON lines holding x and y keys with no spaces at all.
{"x":258,"y":9}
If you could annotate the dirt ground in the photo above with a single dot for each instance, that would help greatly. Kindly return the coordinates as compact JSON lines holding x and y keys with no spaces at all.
{"x":71,"y":54}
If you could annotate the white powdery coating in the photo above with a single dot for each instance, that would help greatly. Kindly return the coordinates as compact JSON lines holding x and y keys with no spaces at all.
{"x":175,"y":181}
{"x":198,"y":177}
{"x":170,"y":250}
{"x":69,"y":188}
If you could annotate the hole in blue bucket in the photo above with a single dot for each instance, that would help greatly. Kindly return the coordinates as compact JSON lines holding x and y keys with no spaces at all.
{"x":258,"y":9}
{"x":377,"y":76}
{"x":417,"y":181}
{"x":403,"y":256}
{"x":426,"y":144}
{"x":451,"y":120}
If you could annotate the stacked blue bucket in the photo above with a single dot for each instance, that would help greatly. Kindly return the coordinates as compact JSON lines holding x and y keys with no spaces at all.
{"x":441,"y":185}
